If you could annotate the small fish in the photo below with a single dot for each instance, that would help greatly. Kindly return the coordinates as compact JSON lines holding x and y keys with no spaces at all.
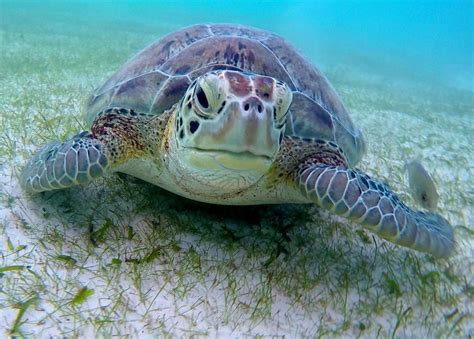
{"x":422,"y":185}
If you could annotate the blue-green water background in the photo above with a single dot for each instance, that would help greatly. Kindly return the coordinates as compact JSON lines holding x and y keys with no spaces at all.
{"x":417,"y":40}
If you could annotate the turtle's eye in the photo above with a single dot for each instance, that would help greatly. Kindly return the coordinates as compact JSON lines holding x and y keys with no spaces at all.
{"x":201,"y":97}
{"x":201,"y":100}
{"x":207,"y":96}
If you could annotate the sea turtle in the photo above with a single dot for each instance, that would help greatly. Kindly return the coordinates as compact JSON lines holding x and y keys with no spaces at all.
{"x":228,"y":114}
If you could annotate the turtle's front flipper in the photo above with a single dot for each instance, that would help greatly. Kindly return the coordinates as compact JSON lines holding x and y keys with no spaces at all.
{"x":60,"y":165}
{"x":352,"y":194}
{"x":117,"y":135}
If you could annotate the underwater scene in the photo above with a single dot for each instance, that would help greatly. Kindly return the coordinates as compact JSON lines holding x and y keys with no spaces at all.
{"x":219,"y":185}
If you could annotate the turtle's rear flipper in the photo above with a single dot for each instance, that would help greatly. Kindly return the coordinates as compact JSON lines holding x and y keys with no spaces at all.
{"x":353,"y":194}
{"x":59,"y":165}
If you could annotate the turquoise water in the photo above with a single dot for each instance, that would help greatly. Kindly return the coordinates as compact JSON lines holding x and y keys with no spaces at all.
{"x":416,"y":39}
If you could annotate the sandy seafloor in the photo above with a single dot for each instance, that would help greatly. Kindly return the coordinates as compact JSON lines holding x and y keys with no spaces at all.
{"x":121,"y":257}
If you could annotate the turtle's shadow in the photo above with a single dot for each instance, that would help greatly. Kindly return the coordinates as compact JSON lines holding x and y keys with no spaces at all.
{"x":79,"y":205}
{"x":291,"y":241}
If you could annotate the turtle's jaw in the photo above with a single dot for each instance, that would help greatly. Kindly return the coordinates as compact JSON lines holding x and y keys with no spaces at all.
{"x":223,"y":160}
{"x":201,"y":173}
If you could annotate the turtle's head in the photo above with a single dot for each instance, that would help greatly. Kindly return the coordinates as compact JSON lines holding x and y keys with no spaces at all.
{"x":232,"y":122}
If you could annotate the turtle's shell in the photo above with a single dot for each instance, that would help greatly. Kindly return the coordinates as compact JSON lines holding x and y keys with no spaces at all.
{"x":157,"y":77}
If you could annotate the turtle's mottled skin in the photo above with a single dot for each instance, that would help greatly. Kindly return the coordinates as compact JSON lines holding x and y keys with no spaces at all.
{"x":228,"y":114}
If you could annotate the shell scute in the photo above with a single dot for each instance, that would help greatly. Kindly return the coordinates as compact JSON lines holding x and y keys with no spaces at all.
{"x":163,"y":50}
{"x":239,"y":31}
{"x":305,"y":110}
{"x":139,"y":93}
{"x":307,"y":79}
{"x":237,"y":52}
{"x":172,"y":92}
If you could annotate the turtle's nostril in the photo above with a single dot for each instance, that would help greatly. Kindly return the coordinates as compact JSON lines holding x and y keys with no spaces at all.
{"x":253,"y":103}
